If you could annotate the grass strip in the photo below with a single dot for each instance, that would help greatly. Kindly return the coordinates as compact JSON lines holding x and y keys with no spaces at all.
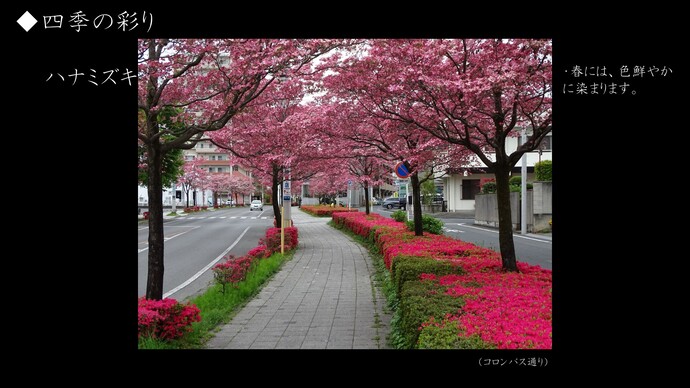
{"x":218,"y":308}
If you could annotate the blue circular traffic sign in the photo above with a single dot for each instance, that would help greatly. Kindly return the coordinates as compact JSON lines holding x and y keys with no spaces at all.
{"x":401,"y":171}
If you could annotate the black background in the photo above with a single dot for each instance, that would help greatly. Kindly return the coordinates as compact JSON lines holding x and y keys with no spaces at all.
{"x":71,"y":160}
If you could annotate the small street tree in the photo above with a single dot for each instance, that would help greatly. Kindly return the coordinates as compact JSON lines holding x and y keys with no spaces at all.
{"x":475,"y":93}
{"x":192,"y":177}
{"x":211,"y":81}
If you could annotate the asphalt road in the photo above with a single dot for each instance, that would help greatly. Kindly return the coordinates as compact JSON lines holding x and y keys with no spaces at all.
{"x":194,"y":241}
{"x":531,"y":249}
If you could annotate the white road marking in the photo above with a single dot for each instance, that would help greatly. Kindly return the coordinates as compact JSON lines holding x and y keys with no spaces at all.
{"x":224,"y":217}
{"x":253,"y":218}
{"x":233,"y":217}
{"x":264,"y":218}
{"x":206,"y":268}
{"x":212,"y":217}
{"x":531,"y":238}
{"x":514,"y":235}
{"x":243,"y":217}
{"x":173,"y":236}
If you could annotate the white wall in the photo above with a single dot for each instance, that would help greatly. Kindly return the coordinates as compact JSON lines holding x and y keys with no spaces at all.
{"x":452,"y":191}
{"x":143,"y":196}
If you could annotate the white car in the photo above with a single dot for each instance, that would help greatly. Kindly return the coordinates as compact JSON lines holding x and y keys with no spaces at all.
{"x":256,"y":204}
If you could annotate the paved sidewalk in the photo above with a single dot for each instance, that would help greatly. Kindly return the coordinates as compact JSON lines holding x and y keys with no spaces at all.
{"x":323,"y":298}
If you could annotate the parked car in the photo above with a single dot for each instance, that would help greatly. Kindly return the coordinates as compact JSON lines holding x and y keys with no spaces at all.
{"x":394,"y":203}
{"x":230,"y":202}
{"x":376,"y":201}
{"x":256,"y":204}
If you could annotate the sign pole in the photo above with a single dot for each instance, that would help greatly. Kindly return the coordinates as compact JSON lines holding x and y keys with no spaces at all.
{"x":287,"y":199}
{"x":407,"y":193}
{"x":282,"y":230}
{"x":403,"y":173}
{"x":371,"y":198}
{"x":349,"y":191}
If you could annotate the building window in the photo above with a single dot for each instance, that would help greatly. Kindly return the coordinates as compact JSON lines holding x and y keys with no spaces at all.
{"x":219,"y":169}
{"x":189,"y":157}
{"x":210,"y":169}
{"x":235,"y":168}
{"x":220,"y":157}
{"x":545,"y":143}
{"x":201,"y":145}
{"x":470,"y":188}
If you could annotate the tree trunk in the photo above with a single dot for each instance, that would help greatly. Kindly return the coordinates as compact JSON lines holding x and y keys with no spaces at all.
{"x":274,"y":198}
{"x":154,"y":282}
{"x":366,"y":197}
{"x":186,"y":196}
{"x":505,"y":223}
{"x":416,"y":205}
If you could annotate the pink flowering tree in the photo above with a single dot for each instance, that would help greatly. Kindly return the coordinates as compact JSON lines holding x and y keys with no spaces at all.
{"x":211,"y":81}
{"x":326,"y":184}
{"x":218,"y":184}
{"x":365,"y":166}
{"x":359,"y":119}
{"x":193,"y":176}
{"x":240,"y":184}
{"x":274,"y":138}
{"x":470,"y":93}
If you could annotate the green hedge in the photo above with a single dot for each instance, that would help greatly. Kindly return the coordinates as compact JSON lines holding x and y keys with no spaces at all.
{"x":489,"y":188}
{"x":446,"y":337}
{"x":399,"y":215}
{"x":517,"y":181}
{"x":429,"y":224}
{"x":544,"y":170}
{"x":419,"y":301}
{"x":405,"y":268}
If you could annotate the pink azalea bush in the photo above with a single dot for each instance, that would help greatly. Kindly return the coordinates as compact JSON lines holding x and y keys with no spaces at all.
{"x":234,"y":270}
{"x":324,"y":210}
{"x":259,"y":252}
{"x":272,"y":239}
{"x":507,"y":310}
{"x":166,"y":319}
{"x":362,"y":224}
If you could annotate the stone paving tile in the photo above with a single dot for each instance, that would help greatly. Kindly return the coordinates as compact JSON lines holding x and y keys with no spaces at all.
{"x":321,"y":299}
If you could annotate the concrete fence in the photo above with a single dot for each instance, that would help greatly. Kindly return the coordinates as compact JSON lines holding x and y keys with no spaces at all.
{"x":543,"y":205}
{"x":539,"y":208}
{"x":310,"y":201}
